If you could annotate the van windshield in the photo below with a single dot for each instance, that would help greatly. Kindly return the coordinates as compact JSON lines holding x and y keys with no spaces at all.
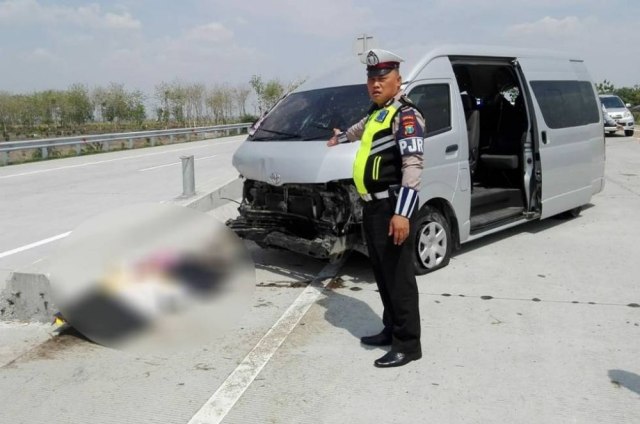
{"x":612,"y":102}
{"x":312,"y":115}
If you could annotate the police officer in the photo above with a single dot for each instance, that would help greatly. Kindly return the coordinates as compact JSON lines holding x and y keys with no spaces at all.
{"x":386,"y":173}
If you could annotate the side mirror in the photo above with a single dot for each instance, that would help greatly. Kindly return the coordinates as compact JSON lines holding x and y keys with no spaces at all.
{"x":627,"y":105}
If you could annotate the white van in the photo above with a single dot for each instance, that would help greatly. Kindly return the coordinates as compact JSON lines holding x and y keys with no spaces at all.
{"x":512,"y":136}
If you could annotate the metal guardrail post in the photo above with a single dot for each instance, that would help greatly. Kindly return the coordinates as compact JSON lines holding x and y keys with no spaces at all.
{"x":130,"y":141}
{"x":188,"y":176}
{"x":45,"y":152}
{"x":4,"y":158}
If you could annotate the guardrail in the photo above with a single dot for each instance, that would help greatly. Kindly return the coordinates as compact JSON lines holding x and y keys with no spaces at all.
{"x":106,"y":139}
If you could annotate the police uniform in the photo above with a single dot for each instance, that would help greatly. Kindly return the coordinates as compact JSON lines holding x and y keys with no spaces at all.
{"x":386,"y":174}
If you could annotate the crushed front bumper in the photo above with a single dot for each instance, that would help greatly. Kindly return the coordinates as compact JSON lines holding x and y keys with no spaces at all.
{"x":318,"y":220}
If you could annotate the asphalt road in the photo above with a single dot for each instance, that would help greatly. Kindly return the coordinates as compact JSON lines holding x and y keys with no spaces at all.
{"x":44,"y":200}
{"x":537,"y":324}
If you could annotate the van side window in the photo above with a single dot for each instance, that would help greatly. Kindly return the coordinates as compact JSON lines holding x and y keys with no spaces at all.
{"x":434,"y":102}
{"x":566,"y":104}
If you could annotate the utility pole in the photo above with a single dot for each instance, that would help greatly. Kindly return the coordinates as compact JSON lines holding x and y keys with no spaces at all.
{"x":363,"y":41}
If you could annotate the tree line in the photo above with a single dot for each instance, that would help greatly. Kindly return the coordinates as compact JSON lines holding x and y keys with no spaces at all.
{"x":81,"y":110}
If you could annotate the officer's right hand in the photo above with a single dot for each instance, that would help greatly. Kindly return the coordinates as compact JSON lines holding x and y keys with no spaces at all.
{"x":334,"y":139}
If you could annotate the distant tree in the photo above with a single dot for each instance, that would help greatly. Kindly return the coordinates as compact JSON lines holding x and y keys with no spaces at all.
{"x":241,"y":94}
{"x":98,"y":98}
{"x":76,"y":106}
{"x":628,"y":94}
{"x":295,"y":84}
{"x":6,"y":101}
{"x":194,"y":103}
{"x":220,"y":102}
{"x":267,"y":93}
{"x":177,"y":98}
{"x":605,"y":87}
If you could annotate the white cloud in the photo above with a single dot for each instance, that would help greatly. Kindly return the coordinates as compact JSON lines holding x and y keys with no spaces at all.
{"x":32,"y":12}
{"x":240,"y":20}
{"x":549,"y":27}
{"x":41,"y":55}
{"x":52,"y":43}
{"x":124,"y":21}
{"x":590,"y":38}
{"x":210,"y":33}
{"x":326,"y":18}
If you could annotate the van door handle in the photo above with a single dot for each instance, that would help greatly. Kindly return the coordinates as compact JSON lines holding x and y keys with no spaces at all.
{"x":451,"y":148}
{"x":544,"y":137}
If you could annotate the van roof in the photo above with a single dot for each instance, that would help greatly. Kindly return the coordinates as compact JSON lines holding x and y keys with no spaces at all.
{"x":350,"y":71}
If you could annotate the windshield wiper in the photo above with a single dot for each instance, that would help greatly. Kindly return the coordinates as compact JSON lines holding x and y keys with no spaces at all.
{"x":285,"y":134}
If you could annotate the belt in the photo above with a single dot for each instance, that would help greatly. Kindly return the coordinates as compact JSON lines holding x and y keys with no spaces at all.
{"x":375,"y":196}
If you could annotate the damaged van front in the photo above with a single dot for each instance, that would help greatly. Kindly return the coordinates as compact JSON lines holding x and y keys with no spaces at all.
{"x":298,"y":194}
{"x":512,"y":135}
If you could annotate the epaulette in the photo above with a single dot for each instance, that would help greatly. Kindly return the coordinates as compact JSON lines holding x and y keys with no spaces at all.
{"x":406,"y":102}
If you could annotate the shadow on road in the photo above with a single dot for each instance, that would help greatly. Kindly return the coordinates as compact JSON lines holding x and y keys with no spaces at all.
{"x":286,"y":264}
{"x":533,"y":227}
{"x":352,"y":314}
{"x":625,"y":379}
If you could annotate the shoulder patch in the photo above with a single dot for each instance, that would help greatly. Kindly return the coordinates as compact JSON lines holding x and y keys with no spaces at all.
{"x":410,"y":134}
{"x":409,"y":125}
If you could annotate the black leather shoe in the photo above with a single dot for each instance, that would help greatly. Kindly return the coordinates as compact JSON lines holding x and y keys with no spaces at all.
{"x":396,"y":359}
{"x":381,"y":339}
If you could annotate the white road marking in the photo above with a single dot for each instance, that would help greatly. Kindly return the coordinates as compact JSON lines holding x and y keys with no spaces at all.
{"x":173,"y":164}
{"x":32,"y":245}
{"x":80,"y":165}
{"x":221,"y":402}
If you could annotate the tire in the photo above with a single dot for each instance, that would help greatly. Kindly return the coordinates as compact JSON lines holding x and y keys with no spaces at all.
{"x":432,"y":241}
{"x":628,"y":133}
{"x":571,"y":213}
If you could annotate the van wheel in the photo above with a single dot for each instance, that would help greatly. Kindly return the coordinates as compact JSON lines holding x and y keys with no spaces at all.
{"x":571,"y":213}
{"x":432,"y":241}
{"x":628,"y":133}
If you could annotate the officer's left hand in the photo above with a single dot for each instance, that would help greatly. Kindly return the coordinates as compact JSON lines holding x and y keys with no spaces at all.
{"x":399,"y":229}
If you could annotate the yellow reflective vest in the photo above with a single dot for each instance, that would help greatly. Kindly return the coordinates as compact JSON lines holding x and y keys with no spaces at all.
{"x":378,"y":163}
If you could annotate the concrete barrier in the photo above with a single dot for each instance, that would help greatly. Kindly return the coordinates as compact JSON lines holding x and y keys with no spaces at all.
{"x":27,"y":295}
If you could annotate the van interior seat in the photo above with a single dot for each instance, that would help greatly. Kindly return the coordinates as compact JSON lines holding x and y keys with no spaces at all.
{"x":472,"y":116}
{"x":503,"y":150}
{"x":499,"y":161}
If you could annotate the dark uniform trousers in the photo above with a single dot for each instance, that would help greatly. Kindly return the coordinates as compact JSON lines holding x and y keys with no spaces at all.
{"x":393,"y":270}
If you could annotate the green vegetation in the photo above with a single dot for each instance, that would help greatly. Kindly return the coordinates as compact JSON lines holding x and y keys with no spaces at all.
{"x":269,"y":92}
{"x":80,"y":110}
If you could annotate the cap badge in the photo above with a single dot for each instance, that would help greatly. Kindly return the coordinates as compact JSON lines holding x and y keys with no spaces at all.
{"x":275,"y":178}
{"x":372,"y":59}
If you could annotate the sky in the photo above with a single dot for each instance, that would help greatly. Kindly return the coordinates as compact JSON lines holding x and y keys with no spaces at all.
{"x":51,"y":44}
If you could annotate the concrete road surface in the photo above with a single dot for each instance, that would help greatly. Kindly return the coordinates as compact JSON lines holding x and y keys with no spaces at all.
{"x":539,"y":324}
{"x":42,"y":201}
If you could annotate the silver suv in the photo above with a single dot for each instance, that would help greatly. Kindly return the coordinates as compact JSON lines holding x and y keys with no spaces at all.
{"x":618,"y":112}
